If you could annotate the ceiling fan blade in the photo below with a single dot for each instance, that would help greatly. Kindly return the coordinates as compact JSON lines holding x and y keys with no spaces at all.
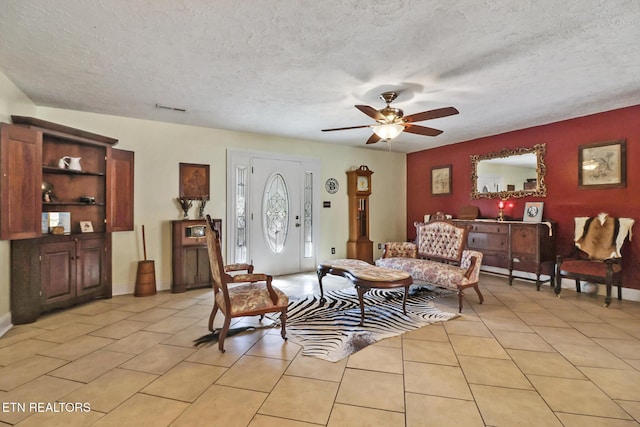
{"x":373,"y":139}
{"x":431,"y":114}
{"x":422,"y":130}
{"x":371,"y":112}
{"x":350,"y":127}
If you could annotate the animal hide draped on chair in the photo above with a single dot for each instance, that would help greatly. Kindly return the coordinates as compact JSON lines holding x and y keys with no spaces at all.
{"x":599,"y":236}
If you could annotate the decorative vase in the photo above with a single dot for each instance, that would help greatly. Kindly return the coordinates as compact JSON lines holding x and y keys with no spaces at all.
{"x":186,"y":204}
{"x":203,"y":203}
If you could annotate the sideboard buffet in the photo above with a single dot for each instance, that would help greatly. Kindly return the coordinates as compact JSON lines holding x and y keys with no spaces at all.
{"x":55,"y":265}
{"x":515,"y":246}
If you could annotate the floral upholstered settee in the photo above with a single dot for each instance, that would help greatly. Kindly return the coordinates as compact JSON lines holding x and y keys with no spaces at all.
{"x":438,"y":257}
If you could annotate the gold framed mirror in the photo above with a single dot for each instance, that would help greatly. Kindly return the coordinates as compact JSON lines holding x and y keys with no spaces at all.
{"x":509,"y":173}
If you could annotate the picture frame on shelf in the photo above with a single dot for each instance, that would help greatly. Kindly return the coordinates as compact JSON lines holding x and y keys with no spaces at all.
{"x":86,"y":227}
{"x":194,"y":181}
{"x":441,"y":180}
{"x":602,"y":165}
{"x":533,"y":212}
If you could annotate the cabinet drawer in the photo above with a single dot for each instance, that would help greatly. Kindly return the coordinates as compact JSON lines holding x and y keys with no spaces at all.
{"x":488,"y":241}
{"x":490,"y":228}
{"x":495,"y":259}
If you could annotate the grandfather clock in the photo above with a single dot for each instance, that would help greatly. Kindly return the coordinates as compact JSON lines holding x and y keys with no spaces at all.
{"x":359,"y":189}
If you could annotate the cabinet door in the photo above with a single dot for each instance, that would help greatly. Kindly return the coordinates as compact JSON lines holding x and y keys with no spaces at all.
{"x":58,"y":271}
{"x":20,"y":182}
{"x":196,"y":266}
{"x":524,"y":240}
{"x":90,"y":266}
{"x":120,"y":216}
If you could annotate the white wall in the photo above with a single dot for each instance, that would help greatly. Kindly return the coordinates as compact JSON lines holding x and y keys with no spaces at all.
{"x":12,"y":101}
{"x":160,"y":147}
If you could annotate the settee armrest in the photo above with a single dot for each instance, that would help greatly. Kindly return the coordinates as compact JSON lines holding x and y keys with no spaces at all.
{"x":472,"y":261}
{"x":400,"y":250}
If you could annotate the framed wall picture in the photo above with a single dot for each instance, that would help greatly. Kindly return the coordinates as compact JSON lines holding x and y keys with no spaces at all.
{"x":86,"y":227}
{"x":602,"y":165}
{"x":194,"y":181}
{"x":441,"y":180}
{"x":533,"y":211}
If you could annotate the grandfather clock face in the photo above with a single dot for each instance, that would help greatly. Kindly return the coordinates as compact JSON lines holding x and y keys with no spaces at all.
{"x":362,"y":184}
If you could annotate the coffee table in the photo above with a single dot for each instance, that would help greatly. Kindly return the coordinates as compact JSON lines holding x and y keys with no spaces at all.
{"x":364,"y":277}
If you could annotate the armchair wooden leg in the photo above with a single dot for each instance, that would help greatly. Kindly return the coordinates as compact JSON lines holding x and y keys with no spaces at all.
{"x":460,"y":296}
{"x":223,"y":333}
{"x":558,"y":287}
{"x":477,"y":289}
{"x":212,"y":316}
{"x":609,"y":282}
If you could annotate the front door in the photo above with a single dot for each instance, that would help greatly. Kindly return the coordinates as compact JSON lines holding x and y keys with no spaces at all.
{"x":276,"y":215}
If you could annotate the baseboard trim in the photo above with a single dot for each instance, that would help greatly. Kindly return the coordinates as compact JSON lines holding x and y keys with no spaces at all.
{"x":5,"y":324}
{"x":120,"y":289}
{"x":627,"y":293}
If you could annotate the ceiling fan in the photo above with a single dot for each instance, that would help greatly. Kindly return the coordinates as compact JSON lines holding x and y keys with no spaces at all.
{"x":391,"y":121}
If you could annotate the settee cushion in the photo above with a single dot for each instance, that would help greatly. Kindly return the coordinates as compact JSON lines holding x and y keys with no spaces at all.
{"x":400,"y":249}
{"x":438,"y":273}
{"x":441,"y":240}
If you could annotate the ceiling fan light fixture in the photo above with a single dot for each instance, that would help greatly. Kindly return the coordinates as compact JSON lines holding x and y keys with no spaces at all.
{"x":388,"y":130}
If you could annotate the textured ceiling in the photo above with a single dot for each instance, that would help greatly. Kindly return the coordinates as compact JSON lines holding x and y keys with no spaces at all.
{"x":294,"y":67}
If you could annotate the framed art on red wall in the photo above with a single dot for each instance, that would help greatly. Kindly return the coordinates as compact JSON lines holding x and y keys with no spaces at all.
{"x":441,"y":180}
{"x":602,"y":165}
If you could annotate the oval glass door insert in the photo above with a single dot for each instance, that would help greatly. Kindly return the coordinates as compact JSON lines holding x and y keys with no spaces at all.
{"x":275,"y":213}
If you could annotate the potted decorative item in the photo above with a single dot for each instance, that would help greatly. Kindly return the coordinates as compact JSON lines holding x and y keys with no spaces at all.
{"x":203,"y":203}
{"x":186,"y":204}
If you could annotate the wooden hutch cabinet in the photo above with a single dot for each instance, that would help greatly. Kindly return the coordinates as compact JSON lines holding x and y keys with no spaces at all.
{"x":190,"y":255}
{"x":73,"y":264}
{"x":515,"y":245}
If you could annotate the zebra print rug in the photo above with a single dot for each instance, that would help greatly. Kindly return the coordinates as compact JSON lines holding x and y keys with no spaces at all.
{"x":332,"y":331}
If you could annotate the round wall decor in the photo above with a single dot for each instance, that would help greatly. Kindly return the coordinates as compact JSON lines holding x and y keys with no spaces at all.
{"x":331,"y":186}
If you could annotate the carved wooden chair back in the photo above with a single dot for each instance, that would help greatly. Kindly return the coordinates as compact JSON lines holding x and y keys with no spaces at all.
{"x":251,"y":294}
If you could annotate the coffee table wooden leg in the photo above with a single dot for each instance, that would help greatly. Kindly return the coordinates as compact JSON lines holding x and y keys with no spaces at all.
{"x":404,"y":300}
{"x":361,"y":290}
{"x":321,"y":273}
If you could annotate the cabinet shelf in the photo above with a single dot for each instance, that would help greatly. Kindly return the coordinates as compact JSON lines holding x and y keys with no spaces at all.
{"x":53,"y":169}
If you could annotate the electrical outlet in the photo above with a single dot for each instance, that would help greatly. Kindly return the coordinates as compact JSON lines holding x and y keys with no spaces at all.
{"x":333,"y":251}
{"x":379,"y":245}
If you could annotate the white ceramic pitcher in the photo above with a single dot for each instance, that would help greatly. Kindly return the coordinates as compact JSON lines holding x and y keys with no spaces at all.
{"x":71,"y":163}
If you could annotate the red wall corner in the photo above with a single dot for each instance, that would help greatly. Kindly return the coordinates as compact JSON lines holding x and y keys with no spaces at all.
{"x":564,"y":200}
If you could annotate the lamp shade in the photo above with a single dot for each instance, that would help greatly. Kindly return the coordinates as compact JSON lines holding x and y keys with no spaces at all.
{"x":388,"y":131}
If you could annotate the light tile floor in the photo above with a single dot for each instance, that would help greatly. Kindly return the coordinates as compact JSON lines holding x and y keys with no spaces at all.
{"x":522,"y":358}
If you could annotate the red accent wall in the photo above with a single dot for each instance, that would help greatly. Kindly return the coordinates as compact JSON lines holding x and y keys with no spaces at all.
{"x":564,"y":200}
